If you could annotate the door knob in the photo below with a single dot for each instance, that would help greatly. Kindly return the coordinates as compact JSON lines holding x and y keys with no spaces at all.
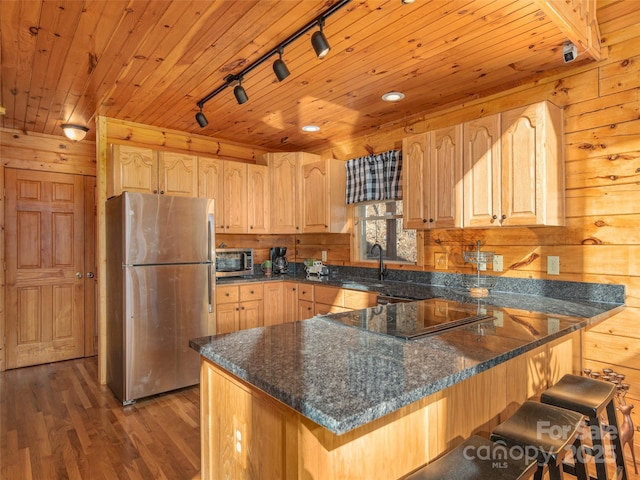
{"x":78,"y":275}
{"x":90,"y":275}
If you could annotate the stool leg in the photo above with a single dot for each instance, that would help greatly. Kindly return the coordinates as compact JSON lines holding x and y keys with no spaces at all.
{"x":579,"y":460}
{"x":598,"y":448}
{"x":555,"y":469}
{"x":615,"y":439}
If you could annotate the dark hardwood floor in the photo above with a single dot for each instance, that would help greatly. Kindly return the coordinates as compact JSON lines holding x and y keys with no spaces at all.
{"x":57,"y":422}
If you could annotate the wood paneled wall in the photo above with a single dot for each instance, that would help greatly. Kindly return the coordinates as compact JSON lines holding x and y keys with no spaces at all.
{"x":35,"y":151}
{"x":601,"y":240}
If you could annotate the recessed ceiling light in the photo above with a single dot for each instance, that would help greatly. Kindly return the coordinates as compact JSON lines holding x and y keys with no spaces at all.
{"x":393,"y":96}
{"x":311,"y":128}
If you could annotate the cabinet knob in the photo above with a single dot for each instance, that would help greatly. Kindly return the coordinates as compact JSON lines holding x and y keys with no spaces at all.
{"x":251,"y":227}
{"x":251,"y":292}
{"x":503,"y":217}
{"x":155,"y":191}
{"x":293,"y":289}
{"x":161,"y":192}
{"x":431,"y":220}
{"x":241,"y":308}
{"x":424,"y":220}
{"x":495,"y":217}
{"x":226,"y":294}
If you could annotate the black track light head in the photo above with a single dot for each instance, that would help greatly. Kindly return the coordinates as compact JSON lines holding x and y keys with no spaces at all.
{"x":201,"y":119}
{"x":241,"y":95}
{"x":280,"y":68}
{"x":320,"y":42}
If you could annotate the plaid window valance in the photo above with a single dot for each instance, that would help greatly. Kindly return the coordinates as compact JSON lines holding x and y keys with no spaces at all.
{"x":375,"y":177}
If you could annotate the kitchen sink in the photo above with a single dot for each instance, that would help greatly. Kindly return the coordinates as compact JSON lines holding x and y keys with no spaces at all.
{"x":361,"y":285}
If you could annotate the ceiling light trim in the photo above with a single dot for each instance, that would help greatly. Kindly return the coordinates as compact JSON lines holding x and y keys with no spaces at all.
{"x":74,"y":132}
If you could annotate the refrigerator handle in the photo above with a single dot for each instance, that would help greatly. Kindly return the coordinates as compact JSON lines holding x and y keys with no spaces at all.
{"x":212,"y":259}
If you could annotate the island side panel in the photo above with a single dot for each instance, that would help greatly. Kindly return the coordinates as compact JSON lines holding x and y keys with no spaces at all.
{"x":277,"y":442}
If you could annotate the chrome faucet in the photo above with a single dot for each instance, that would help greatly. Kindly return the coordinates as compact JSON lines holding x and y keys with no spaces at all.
{"x":382,"y":270}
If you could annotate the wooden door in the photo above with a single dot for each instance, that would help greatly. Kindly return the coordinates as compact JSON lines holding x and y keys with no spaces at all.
{"x":273,"y":303}
{"x":415,"y":190}
{"x":482,"y":172}
{"x":314,"y":191}
{"x":134,"y":169}
{"x":521,"y":200}
{"x":91,"y":268}
{"x":445,"y":177}
{"x":258,"y":198}
{"x":290,"y":310}
{"x":178,"y":174}
{"x":45,"y":267}
{"x":283,"y":179}
{"x":251,"y":314}
{"x":211,"y":185}
{"x":235,"y":193}
{"x":227,"y":317}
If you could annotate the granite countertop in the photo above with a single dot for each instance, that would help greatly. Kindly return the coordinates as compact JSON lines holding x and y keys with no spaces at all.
{"x":342,"y":371}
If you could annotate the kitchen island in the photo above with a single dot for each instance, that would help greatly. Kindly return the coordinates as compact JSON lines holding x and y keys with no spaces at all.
{"x":337,"y":397}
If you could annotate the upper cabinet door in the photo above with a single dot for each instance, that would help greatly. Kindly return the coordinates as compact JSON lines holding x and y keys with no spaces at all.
{"x":445,"y":178}
{"x":415,"y":193}
{"x":211,"y":185}
{"x":315,"y":192}
{"x":532,"y":166}
{"x":482,"y":172}
{"x":258,"y":198}
{"x":177,"y":174}
{"x":283,"y":181}
{"x":235,"y":193}
{"x":133,"y":169}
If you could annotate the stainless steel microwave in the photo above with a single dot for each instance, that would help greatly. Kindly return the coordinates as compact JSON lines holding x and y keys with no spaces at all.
{"x":234,"y":262}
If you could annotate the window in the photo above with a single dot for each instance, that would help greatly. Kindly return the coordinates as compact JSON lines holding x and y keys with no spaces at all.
{"x":381,"y":222}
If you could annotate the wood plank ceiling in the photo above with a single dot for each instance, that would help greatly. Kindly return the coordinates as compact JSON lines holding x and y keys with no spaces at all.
{"x":150,"y":61}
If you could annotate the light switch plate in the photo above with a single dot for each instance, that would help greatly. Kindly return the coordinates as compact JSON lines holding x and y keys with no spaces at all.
{"x":440,"y":260}
{"x":324,"y":255}
{"x":497,"y":263}
{"x":553,"y":265}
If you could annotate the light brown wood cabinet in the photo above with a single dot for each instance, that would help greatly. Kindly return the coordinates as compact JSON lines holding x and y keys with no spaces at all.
{"x":239,"y":307}
{"x":323,"y":195}
{"x":143,"y":170}
{"x":432,"y":179}
{"x":307,"y":194}
{"x":514,"y":168}
{"x":258,"y":198}
{"x":273,"y":303}
{"x":284,"y":191}
{"x":226,"y":183}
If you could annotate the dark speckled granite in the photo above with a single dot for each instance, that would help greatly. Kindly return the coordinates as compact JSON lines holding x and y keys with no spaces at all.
{"x":341,"y":372}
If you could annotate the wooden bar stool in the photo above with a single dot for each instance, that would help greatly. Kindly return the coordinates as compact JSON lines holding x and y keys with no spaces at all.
{"x":476,"y":459}
{"x":591,"y":398}
{"x":545,"y":433}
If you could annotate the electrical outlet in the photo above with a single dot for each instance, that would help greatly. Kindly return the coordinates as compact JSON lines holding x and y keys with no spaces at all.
{"x":497,"y":263}
{"x":324,"y":255}
{"x":553,"y":265}
{"x":440,"y":260}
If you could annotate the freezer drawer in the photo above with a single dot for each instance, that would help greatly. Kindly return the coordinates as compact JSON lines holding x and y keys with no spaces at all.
{"x":166,"y":306}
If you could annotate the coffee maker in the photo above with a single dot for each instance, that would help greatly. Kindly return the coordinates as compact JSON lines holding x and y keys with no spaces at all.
{"x":279,"y":259}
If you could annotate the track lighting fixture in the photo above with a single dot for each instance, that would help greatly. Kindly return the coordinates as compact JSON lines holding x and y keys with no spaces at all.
{"x":279,"y":67}
{"x":319,"y":41}
{"x":201,"y":119}
{"x":238,"y":91}
{"x":74,"y":132}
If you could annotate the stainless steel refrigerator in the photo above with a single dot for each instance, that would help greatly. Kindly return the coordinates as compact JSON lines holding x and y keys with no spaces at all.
{"x":160,"y":291}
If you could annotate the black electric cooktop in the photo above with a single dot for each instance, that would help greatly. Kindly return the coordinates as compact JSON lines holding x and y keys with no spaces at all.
{"x":413,"y":320}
